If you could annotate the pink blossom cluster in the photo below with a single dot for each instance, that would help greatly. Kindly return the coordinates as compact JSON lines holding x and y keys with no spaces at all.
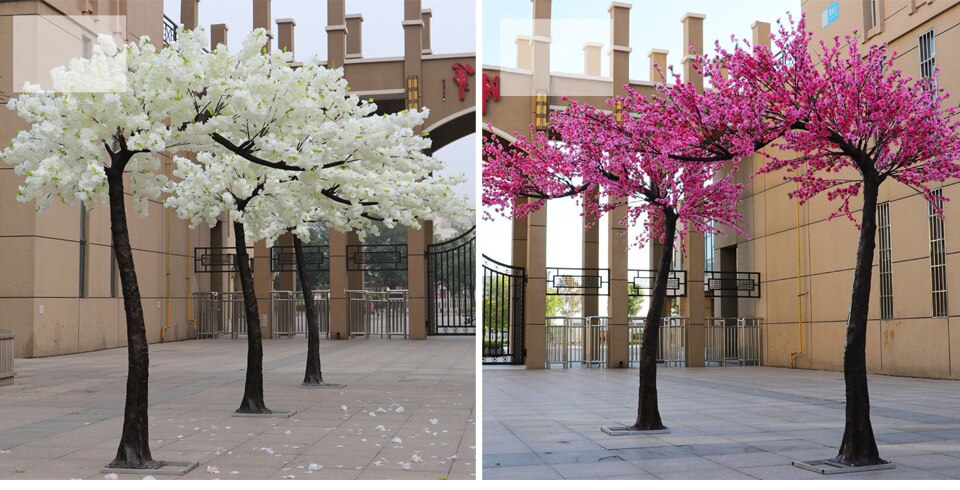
{"x":835,"y":119}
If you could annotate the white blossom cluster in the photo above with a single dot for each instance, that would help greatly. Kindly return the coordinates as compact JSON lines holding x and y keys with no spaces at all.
{"x":296,"y":137}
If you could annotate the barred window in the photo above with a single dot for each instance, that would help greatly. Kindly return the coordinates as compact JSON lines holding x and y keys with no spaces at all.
{"x":874,"y":13}
{"x":938,"y":259}
{"x":886,"y":262}
{"x":928,"y":54}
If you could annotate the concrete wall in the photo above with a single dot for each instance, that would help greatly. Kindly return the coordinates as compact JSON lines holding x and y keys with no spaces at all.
{"x":913,"y":343}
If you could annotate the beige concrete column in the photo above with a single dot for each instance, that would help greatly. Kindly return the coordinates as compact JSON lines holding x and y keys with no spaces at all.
{"x":413,"y":41}
{"x":354,"y":24}
{"x":286,"y":37}
{"x":354,"y":277}
{"x":416,"y":282}
{"x":518,"y":251}
{"x":524,"y":52}
{"x":263,"y":17}
{"x":336,"y":33}
{"x":693,"y":305}
{"x":658,"y":65}
{"x":263,"y":283}
{"x":540,"y":50}
{"x":287,"y":280}
{"x":190,"y":13}
{"x":535,"y":299}
{"x":591,"y":253}
{"x":618,"y":241}
{"x":218,"y":35}
{"x":339,"y":308}
{"x":425,"y":16}
{"x":591,"y":59}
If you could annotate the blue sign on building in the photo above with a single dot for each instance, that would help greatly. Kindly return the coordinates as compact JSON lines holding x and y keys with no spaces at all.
{"x":831,"y":14}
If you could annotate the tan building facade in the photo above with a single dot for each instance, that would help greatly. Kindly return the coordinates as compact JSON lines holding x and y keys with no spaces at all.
{"x":807,"y":262}
{"x":59,"y":289}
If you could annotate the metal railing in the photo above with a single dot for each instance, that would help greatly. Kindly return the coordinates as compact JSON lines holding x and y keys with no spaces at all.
{"x":7,"y":373}
{"x":576,"y":340}
{"x":290,"y":313}
{"x":635,"y":329}
{"x":219,"y":313}
{"x":572,"y":340}
{"x":383,"y":313}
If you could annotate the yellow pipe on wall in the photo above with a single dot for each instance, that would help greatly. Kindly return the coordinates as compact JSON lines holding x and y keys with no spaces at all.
{"x":163,"y":331}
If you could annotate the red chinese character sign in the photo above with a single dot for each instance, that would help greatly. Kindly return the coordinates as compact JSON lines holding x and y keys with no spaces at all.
{"x":461,"y":78}
{"x":491,"y":88}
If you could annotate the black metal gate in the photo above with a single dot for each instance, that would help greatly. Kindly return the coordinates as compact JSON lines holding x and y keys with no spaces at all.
{"x":503,"y":317}
{"x":451,"y":286}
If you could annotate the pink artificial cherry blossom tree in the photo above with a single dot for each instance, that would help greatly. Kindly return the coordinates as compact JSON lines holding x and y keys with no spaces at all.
{"x":666,"y":156}
{"x":850,"y":121}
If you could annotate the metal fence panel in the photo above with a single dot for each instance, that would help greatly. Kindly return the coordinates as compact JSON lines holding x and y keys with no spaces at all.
{"x":219,"y":313}
{"x":7,"y":373}
{"x":290,"y":313}
{"x":576,"y":340}
{"x":381,"y":313}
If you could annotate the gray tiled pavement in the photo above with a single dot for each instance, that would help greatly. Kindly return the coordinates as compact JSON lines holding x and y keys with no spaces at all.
{"x":62,"y":418}
{"x":726,"y":423}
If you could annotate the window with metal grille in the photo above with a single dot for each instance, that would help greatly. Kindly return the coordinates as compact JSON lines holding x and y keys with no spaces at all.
{"x":938,"y":259}
{"x":886,"y":262}
{"x":928,"y":54}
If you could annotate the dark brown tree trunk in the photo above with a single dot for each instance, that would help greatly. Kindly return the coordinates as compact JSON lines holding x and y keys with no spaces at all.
{"x":648,"y":410}
{"x":134,"y":450}
{"x":253,"y":389}
{"x":859,"y":448}
{"x":313,"y":375}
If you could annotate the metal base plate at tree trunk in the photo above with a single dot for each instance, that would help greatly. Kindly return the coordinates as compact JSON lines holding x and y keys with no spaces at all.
{"x":324,"y":385}
{"x":175,"y":468}
{"x":274,"y":414}
{"x":619,"y":430}
{"x":830,"y":467}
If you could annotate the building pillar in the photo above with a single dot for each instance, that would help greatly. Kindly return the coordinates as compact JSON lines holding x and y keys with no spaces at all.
{"x":190,"y":14}
{"x":354,"y":24}
{"x":693,"y":305}
{"x":286,"y":35}
{"x":425,"y":16}
{"x":658,"y":64}
{"x":618,"y":241}
{"x":262,"y":19}
{"x":336,"y":33}
{"x":263,"y":283}
{"x":591,"y":59}
{"x":218,"y":35}
{"x":535,"y":299}
{"x":416,"y":282}
{"x":287,"y":281}
{"x":524,"y":52}
{"x":591,"y":252}
{"x":339,"y":283}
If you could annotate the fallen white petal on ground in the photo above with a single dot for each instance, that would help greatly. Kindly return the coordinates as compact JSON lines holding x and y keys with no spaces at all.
{"x":400,"y":410}
{"x":149,"y":477}
{"x":111,"y":476}
{"x":404,"y":466}
{"x":416,"y":458}
{"x":381,"y":410}
{"x":288,"y":477}
{"x":434,"y":421}
{"x":343,"y":407}
{"x":213,"y":470}
{"x":380,"y":428}
{"x":396,"y":440}
{"x":314,"y":467}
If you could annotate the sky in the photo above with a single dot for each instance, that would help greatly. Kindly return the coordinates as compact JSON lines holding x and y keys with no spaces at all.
{"x":453,"y":29}
{"x":653,"y":24}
